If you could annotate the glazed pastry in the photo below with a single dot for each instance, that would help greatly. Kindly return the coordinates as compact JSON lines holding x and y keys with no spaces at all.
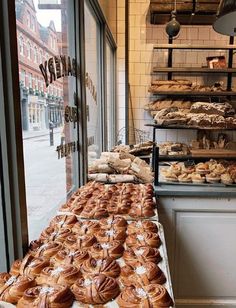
{"x":44,"y":296}
{"x":13,"y":287}
{"x":115,"y":222}
{"x":142,"y":275}
{"x":64,"y":275}
{"x":98,"y":290}
{"x":212,"y":178}
{"x":86,"y":227}
{"x":197,"y":178}
{"x":29,"y":266}
{"x":107,"y":266}
{"x":113,"y":249}
{"x":169,"y":176}
{"x":141,"y":255}
{"x":175,"y":169}
{"x":141,"y":226}
{"x":63,"y":221}
{"x":46,"y":250}
{"x":202,"y":168}
{"x":226,"y":179}
{"x":153,"y":295}
{"x":107,"y":236}
{"x":70,"y":257}
{"x":55,"y":234}
{"x":185,"y":178}
{"x":188,"y":170}
{"x":144,"y":239}
{"x":78,"y":242}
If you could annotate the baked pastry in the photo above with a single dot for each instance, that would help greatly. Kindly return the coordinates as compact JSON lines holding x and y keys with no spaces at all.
{"x":64,"y":275}
{"x":55,"y":234}
{"x":141,"y":255}
{"x":212,"y":178}
{"x":98,"y":290}
{"x":29,"y":266}
{"x":226,"y":179}
{"x":142,"y":275}
{"x":144,"y":239}
{"x":153,"y":295}
{"x":63,"y":221}
{"x":197,"y":178}
{"x":94,"y":212}
{"x":223,"y":109}
{"x":47,"y":250}
{"x":185,"y":178}
{"x":115,"y":222}
{"x":141,"y":226}
{"x":86,"y":227}
{"x":169,"y":176}
{"x":57,"y":296}
{"x":78,"y":242}
{"x":113,"y":249}
{"x":107,"y":266}
{"x":70,"y":257}
{"x":107,"y":236}
{"x":202,"y":168}
{"x":13,"y":287}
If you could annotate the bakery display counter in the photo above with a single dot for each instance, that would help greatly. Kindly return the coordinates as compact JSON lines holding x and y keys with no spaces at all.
{"x":97,"y":258}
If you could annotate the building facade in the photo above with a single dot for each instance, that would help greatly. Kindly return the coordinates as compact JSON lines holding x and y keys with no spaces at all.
{"x":36,"y":44}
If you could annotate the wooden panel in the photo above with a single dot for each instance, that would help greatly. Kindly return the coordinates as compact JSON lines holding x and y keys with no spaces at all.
{"x":205,"y":255}
{"x":213,"y":153}
{"x":3,"y":265}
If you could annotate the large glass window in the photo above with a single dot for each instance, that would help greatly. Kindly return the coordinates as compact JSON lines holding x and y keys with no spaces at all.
{"x":110,"y":95}
{"x":93,"y":83}
{"x":49,"y":120}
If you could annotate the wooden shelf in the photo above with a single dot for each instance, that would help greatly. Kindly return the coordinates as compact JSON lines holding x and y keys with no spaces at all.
{"x":187,"y":127}
{"x":194,"y":93}
{"x":188,"y":46}
{"x":187,"y":70}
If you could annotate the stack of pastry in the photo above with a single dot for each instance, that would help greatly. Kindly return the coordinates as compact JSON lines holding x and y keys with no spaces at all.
{"x":211,"y":172}
{"x":131,"y":200}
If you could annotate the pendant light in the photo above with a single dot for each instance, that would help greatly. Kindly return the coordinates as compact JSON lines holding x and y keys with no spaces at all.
{"x":173,"y":26}
{"x":226,"y":18}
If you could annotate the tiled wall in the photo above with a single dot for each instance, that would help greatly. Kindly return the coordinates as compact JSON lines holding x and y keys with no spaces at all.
{"x":143,"y":36}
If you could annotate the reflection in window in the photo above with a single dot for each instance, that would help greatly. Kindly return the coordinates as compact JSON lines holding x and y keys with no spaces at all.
{"x":28,"y":50}
{"x":35,"y":55}
{"x":21,"y":45}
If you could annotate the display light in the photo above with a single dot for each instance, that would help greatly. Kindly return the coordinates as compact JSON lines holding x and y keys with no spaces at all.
{"x":226,"y":18}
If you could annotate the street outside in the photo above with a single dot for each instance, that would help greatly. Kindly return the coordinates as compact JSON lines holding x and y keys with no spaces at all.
{"x":45,"y":179}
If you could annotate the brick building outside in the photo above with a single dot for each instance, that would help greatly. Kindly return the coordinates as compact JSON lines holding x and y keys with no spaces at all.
{"x":36,"y":44}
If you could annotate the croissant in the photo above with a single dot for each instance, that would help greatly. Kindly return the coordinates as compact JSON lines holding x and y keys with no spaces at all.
{"x":141,"y":255}
{"x":54,"y":234}
{"x":144,"y":239}
{"x":46,"y":250}
{"x":29,"y":266}
{"x":43,"y":296}
{"x":63,"y":221}
{"x":64,"y":274}
{"x":106,"y":236}
{"x":76,"y":242}
{"x":142,"y":275}
{"x":98,"y":290}
{"x":86,"y":227}
{"x":66,"y":257}
{"x":153,"y":295}
{"x":115,"y":222}
{"x":13,"y":287}
{"x":113,"y":249}
{"x":136,"y":227}
{"x":107,"y":266}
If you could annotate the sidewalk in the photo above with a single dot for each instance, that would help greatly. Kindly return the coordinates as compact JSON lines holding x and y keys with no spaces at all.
{"x":39,"y":133}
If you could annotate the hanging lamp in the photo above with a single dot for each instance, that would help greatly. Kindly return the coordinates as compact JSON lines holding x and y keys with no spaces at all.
{"x":173,"y":26}
{"x":226,"y":18}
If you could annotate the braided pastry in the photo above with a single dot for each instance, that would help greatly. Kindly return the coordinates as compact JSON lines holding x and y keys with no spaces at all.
{"x":98,"y":290}
{"x":144,"y":239}
{"x":153,"y":295}
{"x":13,"y":287}
{"x":142,"y":275}
{"x":107,"y":236}
{"x":46,"y":297}
{"x":46,"y":250}
{"x":86,"y":227}
{"x":77,"y":242}
{"x":113,"y":249}
{"x":115,"y":222}
{"x":55,"y":234}
{"x":138,"y":227}
{"x":63,"y":221}
{"x":107,"y":266}
{"x":66,"y":257}
{"x":64,"y":274}
{"x":141,"y":255}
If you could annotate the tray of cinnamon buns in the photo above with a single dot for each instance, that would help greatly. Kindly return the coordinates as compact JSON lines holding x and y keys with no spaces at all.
{"x":107,"y":262}
{"x":96,"y":200}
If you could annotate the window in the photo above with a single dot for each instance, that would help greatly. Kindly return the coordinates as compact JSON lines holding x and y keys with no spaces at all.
{"x":32,"y":23}
{"x":30,"y":80}
{"x":28,"y":18}
{"x":21,"y":45}
{"x":22,"y":77}
{"x":40,"y":57}
{"x":35,"y":55}
{"x":28,"y":50}
{"x":93,"y":84}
